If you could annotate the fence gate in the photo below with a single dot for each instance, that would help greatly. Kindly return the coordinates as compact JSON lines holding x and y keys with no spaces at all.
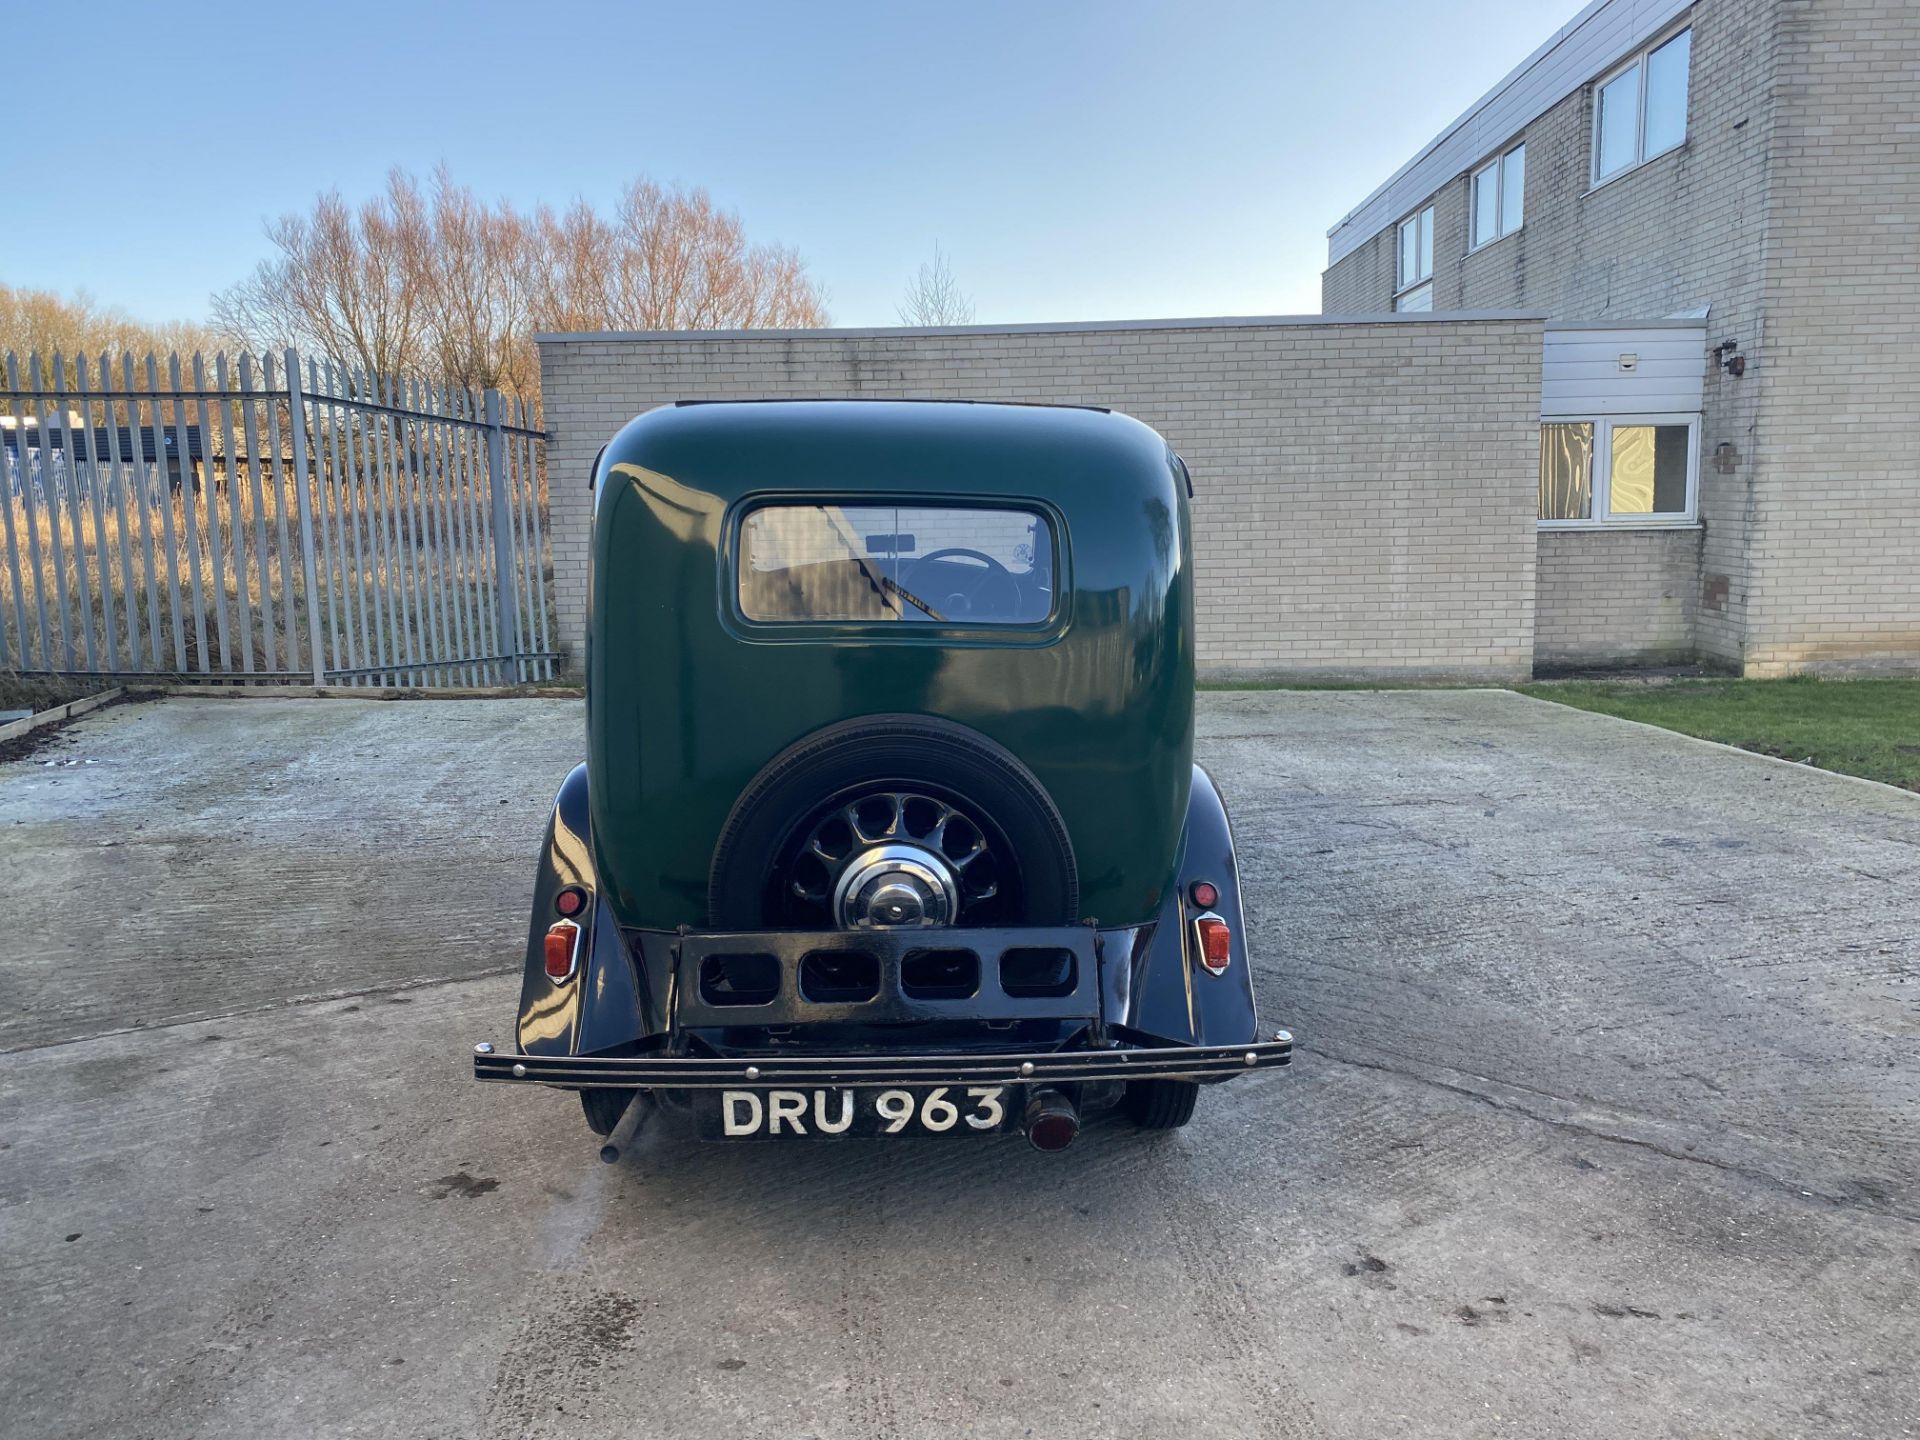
{"x":272,"y":523}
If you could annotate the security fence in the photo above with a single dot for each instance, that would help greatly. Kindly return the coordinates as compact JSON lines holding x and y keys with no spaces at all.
{"x":269,"y":522}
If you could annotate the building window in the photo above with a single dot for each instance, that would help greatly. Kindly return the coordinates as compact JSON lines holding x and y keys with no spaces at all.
{"x":1416,"y":262}
{"x":1640,"y":110}
{"x":1566,"y":470}
{"x":1499,"y":196}
{"x":1647,"y":471}
{"x":1637,"y":470}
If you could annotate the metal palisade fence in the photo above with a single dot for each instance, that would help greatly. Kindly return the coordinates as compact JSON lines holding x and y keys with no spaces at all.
{"x":280,"y":523}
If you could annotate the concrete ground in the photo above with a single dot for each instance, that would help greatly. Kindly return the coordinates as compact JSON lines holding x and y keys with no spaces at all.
{"x":1604,"y":1119}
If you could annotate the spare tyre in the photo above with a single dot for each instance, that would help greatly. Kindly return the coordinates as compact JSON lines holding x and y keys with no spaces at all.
{"x":946,"y":802}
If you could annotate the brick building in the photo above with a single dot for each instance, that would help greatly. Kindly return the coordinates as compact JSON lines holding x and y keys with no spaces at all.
{"x":1717,"y":205}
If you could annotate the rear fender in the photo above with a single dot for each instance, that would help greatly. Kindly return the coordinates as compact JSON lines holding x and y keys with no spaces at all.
{"x":1160,"y":989}
{"x":599,"y":1007}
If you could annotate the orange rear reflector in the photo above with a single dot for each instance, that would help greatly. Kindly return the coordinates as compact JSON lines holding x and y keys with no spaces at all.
{"x":1216,"y":944}
{"x":563,"y":940}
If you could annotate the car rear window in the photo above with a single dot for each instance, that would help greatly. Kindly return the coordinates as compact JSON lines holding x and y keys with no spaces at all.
{"x":936,"y":565}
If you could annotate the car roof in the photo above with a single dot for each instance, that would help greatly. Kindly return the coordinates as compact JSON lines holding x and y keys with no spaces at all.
{"x":721,"y":431}
{"x":1062,"y":453}
{"x":898,"y":400}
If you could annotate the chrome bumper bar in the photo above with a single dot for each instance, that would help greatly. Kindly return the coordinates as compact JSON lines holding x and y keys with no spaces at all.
{"x":593,"y":1072}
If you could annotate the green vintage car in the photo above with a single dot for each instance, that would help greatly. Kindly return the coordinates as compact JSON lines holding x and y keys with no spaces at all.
{"x":890,"y":823}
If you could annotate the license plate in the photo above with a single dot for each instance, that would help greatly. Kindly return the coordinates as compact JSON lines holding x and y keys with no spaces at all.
{"x":841,"y":1113}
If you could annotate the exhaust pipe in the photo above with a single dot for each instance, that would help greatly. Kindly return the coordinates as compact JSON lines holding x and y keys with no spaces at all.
{"x":632,"y":1121}
{"x":1052,"y":1122}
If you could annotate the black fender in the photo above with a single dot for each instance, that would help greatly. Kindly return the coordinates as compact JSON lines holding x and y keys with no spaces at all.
{"x":1154,"y":983}
{"x":601,"y":1006}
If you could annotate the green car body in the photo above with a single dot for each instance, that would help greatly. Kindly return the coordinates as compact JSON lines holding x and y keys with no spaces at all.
{"x":1097,"y":701}
{"x":890,"y":790}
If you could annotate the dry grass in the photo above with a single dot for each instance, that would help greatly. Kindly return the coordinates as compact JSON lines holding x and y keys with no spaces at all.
{"x":388,"y":587}
{"x":22,"y":692}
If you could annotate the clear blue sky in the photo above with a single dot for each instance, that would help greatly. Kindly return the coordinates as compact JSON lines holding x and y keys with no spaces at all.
{"x":1074,"y":160}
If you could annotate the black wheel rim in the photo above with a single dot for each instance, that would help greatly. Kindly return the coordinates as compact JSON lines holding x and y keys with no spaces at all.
{"x":840,"y":831}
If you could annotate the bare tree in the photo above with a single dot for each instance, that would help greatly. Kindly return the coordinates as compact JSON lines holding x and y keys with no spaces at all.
{"x":934,"y":297}
{"x":666,"y":260}
{"x":347,"y":283}
{"x":39,"y":321}
{"x":478,"y":292}
{"x":440,"y":281}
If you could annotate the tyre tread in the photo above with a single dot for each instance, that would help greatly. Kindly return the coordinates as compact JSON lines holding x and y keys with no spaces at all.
{"x":1161,"y":1104}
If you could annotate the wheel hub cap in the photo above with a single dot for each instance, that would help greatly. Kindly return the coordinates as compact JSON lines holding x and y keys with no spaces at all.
{"x":897,"y":885}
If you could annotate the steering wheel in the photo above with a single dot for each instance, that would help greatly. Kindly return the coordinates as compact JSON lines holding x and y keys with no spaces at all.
{"x":962,"y":604}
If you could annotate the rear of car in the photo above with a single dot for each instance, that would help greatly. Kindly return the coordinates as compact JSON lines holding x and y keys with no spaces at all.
{"x":890,"y":823}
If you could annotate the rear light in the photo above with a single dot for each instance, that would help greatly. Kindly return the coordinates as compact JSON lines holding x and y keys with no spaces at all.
{"x":1205,"y":894}
{"x":563,"y":949}
{"x":570,"y":901}
{"x":1215,"y":941}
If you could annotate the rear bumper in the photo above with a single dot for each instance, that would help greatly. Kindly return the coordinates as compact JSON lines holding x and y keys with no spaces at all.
{"x":667,"y":1072}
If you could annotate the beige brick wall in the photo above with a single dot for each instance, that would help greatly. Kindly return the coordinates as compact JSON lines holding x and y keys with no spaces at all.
{"x":1794,"y":209}
{"x":1685,"y":229}
{"x":1836,"y":524}
{"x":1365,"y":492}
{"x":1614,"y":597}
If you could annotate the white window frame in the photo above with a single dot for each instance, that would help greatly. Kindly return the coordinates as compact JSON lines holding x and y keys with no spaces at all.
{"x":1403,"y":286}
{"x":1638,"y":59}
{"x":1497,"y":168}
{"x":1600,"y":482}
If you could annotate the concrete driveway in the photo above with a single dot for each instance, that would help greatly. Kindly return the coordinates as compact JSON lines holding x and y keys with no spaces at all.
{"x":1604,"y":1120}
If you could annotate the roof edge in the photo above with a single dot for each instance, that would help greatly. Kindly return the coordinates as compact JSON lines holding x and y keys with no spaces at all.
{"x":1062,"y":327}
{"x":1539,"y":53}
{"x":1666,"y":323}
{"x":1649,"y":18}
